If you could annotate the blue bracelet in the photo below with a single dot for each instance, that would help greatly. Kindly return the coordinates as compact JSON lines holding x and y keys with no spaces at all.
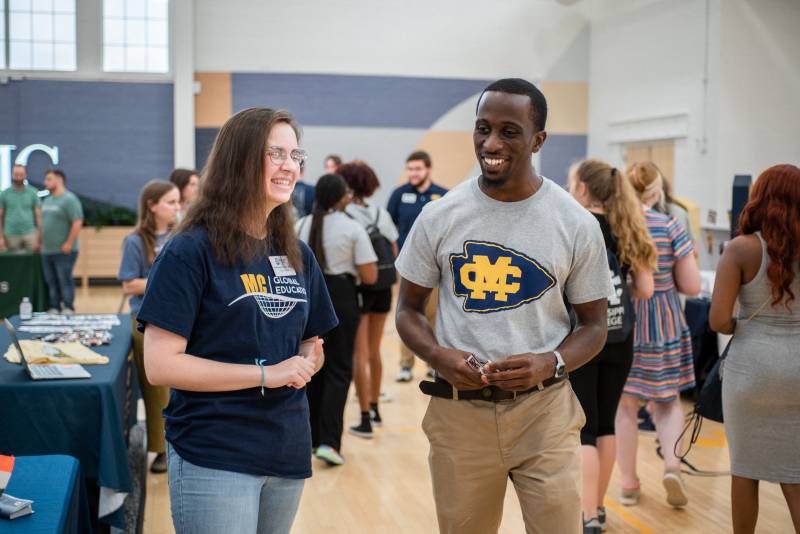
{"x":260,"y":364}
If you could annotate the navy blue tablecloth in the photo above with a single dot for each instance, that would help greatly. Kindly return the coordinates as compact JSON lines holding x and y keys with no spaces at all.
{"x":85,"y":418}
{"x":54,"y":484}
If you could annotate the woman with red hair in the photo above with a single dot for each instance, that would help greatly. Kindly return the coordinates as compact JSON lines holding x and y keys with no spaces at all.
{"x":376,"y":300}
{"x":761,"y":374}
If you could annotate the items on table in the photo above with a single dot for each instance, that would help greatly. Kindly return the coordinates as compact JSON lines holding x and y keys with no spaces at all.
{"x":11,"y":507}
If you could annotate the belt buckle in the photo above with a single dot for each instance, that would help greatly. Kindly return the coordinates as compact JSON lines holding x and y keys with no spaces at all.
{"x":513,"y":395}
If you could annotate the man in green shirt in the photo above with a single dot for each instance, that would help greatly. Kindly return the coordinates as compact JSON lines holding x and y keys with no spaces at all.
{"x":20,"y":215}
{"x":62,"y":220}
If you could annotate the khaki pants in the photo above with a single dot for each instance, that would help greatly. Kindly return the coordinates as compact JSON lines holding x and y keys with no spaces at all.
{"x":407,"y":357}
{"x":155,"y":397}
{"x":477,"y":446}
{"x":19,"y":243}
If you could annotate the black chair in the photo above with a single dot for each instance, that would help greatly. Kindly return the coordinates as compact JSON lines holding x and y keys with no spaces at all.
{"x":137,"y":462}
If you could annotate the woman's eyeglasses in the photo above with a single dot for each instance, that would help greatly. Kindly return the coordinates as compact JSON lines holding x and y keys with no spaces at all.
{"x":278,"y":155}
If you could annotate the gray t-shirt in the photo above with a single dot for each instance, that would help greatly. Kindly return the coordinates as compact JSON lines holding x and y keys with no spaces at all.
{"x":366,"y":216}
{"x":502,"y":268}
{"x":134,"y":263}
{"x":345,"y":241}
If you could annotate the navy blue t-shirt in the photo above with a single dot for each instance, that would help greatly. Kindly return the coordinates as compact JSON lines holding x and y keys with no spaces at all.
{"x":234,"y":314}
{"x":406,"y":204}
{"x":303,"y":198}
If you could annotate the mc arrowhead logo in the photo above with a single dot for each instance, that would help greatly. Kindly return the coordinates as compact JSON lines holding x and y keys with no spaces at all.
{"x":492,"y":277}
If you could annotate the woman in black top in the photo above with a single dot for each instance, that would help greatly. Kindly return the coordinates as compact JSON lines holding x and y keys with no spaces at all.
{"x":603,"y":190}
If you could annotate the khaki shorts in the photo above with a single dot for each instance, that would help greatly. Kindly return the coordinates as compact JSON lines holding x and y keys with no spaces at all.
{"x":19,"y":243}
{"x":477,"y":446}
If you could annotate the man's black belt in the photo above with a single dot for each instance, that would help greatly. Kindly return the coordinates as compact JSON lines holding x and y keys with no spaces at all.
{"x":442,"y":388}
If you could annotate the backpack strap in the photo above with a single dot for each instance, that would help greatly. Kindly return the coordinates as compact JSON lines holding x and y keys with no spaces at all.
{"x":303,"y":224}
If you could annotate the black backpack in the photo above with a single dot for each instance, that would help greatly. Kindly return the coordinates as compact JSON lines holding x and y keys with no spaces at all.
{"x":387,"y":274}
{"x":620,"y":305}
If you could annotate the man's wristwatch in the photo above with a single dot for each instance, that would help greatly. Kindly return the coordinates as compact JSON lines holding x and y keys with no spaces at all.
{"x":561,"y":367}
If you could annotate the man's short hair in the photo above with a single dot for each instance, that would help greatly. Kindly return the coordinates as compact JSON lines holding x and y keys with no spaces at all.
{"x":420,"y":155}
{"x":19,"y":165}
{"x":335,"y":157}
{"x":518,"y":86}
{"x":57,"y":172}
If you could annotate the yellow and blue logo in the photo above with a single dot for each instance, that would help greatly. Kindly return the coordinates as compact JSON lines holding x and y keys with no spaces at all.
{"x":274,"y":304}
{"x":492,"y":277}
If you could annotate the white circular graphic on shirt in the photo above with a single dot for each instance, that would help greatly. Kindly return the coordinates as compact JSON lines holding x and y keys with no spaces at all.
{"x":271,"y":305}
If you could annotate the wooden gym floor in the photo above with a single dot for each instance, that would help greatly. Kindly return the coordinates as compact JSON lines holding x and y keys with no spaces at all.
{"x":385,"y":485}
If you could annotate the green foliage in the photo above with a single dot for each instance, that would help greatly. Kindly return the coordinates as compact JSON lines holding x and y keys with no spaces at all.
{"x":98,"y":214}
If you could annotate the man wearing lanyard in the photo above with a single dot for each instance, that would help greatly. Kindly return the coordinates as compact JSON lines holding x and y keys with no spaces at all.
{"x":405,"y":205}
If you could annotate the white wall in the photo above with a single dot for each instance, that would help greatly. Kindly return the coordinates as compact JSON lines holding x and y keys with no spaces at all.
{"x":646,"y":82}
{"x":646,"y":78}
{"x":760,"y":87}
{"x":447,"y":38}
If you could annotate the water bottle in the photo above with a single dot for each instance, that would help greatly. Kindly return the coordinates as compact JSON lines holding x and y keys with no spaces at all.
{"x":25,"y":309}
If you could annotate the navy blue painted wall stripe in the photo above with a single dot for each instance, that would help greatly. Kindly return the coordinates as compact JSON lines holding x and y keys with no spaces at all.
{"x":112,"y":136}
{"x":559,"y":152}
{"x":203,"y":141}
{"x":355,"y":101}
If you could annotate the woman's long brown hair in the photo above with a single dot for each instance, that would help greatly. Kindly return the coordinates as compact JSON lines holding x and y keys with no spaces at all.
{"x":146,"y":225}
{"x":607,"y":185}
{"x":232,"y":200}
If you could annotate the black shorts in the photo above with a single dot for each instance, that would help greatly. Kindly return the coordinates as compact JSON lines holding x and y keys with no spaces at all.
{"x":375,"y":301}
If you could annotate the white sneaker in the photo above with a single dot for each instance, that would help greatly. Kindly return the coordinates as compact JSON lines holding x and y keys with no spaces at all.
{"x":386,"y":396}
{"x":329,"y":455}
{"x":676,"y":489}
{"x":404,"y":375}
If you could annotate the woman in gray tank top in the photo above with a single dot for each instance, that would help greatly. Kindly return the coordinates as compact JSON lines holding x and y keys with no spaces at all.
{"x":761,"y":375}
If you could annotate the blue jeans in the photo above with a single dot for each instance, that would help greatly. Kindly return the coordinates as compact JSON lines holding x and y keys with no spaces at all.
{"x":213,"y":501}
{"x":57,"y":270}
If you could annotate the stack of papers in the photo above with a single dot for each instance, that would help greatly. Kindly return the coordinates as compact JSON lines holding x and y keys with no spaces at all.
{"x":63,"y":353}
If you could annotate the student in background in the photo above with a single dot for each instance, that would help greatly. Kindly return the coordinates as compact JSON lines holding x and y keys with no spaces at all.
{"x":662,"y":346}
{"x":375,"y":303}
{"x":20,"y":215}
{"x":302,"y":196}
{"x":607,"y":194}
{"x":331,"y":163}
{"x":405,"y":205}
{"x":62,"y":220}
{"x":159,"y":203}
{"x":345,"y":255}
{"x":761,"y":268}
{"x":188,"y":182}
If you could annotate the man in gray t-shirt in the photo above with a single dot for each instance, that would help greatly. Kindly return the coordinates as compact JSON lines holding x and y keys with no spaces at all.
{"x":506,"y":250}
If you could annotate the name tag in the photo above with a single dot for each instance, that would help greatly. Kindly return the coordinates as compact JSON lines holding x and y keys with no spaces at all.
{"x":409,"y":198}
{"x":281,"y":266}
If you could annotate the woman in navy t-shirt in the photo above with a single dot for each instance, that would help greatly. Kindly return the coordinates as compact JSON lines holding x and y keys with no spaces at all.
{"x":232,"y":314}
